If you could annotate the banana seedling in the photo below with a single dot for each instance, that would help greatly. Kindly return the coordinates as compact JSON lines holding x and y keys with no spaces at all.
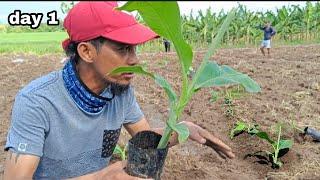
{"x":208,"y":74}
{"x":279,"y":146}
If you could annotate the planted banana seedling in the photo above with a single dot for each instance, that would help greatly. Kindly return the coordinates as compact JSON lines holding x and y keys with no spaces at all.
{"x":241,"y":127}
{"x":279,"y":146}
{"x":151,"y":149}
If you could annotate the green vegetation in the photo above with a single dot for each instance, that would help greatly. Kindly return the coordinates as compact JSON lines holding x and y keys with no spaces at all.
{"x":241,"y":127}
{"x":292,"y":23}
{"x":279,"y":146}
{"x":23,"y":29}
{"x":121,"y":151}
{"x":32,"y":37}
{"x":36,"y":42}
{"x":209,"y":74}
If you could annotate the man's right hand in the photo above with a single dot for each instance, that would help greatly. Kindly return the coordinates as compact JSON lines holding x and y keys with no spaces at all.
{"x":116,"y":171}
{"x":113,"y":171}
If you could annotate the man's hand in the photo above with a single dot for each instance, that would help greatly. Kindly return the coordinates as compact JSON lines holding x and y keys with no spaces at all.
{"x":202,"y":136}
{"x":116,"y":171}
{"x":113,"y":171}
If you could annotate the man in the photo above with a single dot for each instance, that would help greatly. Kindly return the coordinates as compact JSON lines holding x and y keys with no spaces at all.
{"x":67,"y":123}
{"x":166,"y":44}
{"x":269,"y":32}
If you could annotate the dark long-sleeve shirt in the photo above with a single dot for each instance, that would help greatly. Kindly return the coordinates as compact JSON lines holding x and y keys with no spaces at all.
{"x":268,"y":32}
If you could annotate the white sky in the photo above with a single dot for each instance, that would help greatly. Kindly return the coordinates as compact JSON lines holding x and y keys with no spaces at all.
{"x":7,"y":7}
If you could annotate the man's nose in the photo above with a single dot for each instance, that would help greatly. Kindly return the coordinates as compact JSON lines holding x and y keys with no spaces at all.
{"x":132,"y":59}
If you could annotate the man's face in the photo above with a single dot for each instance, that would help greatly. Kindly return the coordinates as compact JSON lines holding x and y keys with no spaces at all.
{"x":267,"y":24}
{"x":112,"y":55}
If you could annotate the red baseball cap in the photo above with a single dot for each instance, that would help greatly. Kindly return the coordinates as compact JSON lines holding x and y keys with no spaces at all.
{"x":89,"y":20}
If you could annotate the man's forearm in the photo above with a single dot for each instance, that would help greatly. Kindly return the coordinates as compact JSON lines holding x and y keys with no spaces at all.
{"x":20,"y":166}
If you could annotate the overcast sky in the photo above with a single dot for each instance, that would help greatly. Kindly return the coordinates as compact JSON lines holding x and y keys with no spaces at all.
{"x":7,"y":7}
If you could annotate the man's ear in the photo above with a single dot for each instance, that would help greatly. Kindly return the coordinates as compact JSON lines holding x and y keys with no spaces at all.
{"x":87,"y":52}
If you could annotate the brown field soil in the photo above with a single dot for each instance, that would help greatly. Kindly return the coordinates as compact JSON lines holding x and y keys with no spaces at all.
{"x":290,"y":82}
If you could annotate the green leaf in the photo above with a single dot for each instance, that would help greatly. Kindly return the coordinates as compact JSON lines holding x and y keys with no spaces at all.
{"x":117,"y":150}
{"x":214,"y":75}
{"x":212,"y":48}
{"x":283,"y":144}
{"x":234,"y":79}
{"x":264,"y":135}
{"x":167,"y":87}
{"x":240,"y":127}
{"x":183,"y":132}
{"x":253,"y":130}
{"x":158,"y":79}
{"x":210,"y":74}
{"x":181,"y":129}
{"x":131,"y":69}
{"x":210,"y":70}
{"x":164,"y":19}
{"x":231,"y":76}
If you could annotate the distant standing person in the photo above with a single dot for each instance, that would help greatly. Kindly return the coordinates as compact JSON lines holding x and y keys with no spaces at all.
{"x":166,"y":45}
{"x":269,"y":32}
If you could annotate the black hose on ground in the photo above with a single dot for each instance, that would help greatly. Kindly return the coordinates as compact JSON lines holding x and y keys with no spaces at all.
{"x":313,"y":133}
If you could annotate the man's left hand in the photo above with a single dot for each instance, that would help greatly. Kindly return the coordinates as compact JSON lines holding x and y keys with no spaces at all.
{"x":202,"y":136}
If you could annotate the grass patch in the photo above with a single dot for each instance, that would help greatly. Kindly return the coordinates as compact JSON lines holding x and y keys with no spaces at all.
{"x":32,"y":37}
{"x":39,"y":48}
{"x":33,"y":42}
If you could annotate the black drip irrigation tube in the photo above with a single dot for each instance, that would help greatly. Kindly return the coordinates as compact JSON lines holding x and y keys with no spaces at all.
{"x":313,"y":133}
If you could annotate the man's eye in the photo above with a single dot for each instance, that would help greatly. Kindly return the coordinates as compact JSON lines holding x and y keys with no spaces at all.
{"x":124,"y":48}
{"x":121,"y":49}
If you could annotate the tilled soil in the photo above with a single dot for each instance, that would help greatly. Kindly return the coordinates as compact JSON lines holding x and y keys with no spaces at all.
{"x":290,"y":82}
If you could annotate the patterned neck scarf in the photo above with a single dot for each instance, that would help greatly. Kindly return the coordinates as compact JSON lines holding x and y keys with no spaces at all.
{"x":85,"y":99}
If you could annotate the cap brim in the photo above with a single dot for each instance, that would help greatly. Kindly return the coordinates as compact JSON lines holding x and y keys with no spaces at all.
{"x":134,"y":34}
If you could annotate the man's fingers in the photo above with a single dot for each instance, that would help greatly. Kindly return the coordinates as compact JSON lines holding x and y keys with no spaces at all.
{"x":124,"y":164}
{"x":204,"y":133}
{"x":118,"y":170}
{"x":218,"y":149}
{"x":200,"y":139}
{"x":216,"y":143}
{"x":126,"y":176}
{"x":202,"y":136}
{"x":119,"y":164}
{"x":230,"y":154}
